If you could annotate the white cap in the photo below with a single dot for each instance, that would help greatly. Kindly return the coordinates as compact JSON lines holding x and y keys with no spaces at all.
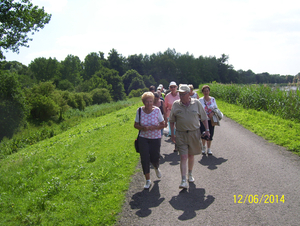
{"x":172,"y":84}
{"x":184,"y":88}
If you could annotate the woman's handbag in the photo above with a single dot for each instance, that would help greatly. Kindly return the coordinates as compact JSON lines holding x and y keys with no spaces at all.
{"x":136,"y":142}
{"x":215,"y":121}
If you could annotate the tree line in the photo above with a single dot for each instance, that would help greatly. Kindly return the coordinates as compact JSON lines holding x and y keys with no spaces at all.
{"x":46,"y":88}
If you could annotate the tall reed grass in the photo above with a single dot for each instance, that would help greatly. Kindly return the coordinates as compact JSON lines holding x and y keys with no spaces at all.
{"x":285,"y":104}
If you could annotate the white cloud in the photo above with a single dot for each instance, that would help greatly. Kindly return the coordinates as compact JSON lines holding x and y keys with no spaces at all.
{"x":51,"y":6}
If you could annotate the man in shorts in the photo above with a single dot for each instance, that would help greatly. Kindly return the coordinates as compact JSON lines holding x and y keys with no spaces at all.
{"x":186,"y":113}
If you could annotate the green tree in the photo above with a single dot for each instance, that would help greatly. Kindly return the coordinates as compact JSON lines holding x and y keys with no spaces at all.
{"x":148,"y":80}
{"x":128,"y":77}
{"x":101,"y":96}
{"x":13,"y":107}
{"x":45,"y":69}
{"x":71,"y":68}
{"x":95,"y":82}
{"x":42,"y":101}
{"x":135,"y":62}
{"x":136,"y":84}
{"x":92,"y":64}
{"x":112,"y":77}
{"x":116,"y":61}
{"x":17,"y":19}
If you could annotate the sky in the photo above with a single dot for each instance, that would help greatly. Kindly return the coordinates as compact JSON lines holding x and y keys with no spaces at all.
{"x":257,"y":35}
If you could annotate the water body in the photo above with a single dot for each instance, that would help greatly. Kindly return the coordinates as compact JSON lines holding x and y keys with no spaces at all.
{"x":288,"y":88}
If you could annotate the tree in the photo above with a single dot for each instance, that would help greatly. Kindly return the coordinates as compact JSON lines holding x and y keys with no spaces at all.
{"x":136,"y":84}
{"x":112,"y":77}
{"x":13,"y":108}
{"x":17,"y":19}
{"x":71,"y":68}
{"x":45,"y":69}
{"x":116,"y":61}
{"x":135,"y":62}
{"x":92,"y":64}
{"x":128,"y":78}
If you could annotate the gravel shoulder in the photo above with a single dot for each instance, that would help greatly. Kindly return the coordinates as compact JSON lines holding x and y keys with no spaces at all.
{"x":242,"y":165}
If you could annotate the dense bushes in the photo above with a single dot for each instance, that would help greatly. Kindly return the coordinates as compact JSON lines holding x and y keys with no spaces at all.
{"x":283,"y":103}
{"x":13,"y":108}
{"x":137,"y":93}
{"x":100,"y":96}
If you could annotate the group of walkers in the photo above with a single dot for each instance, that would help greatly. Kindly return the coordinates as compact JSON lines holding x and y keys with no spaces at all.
{"x":188,"y":118}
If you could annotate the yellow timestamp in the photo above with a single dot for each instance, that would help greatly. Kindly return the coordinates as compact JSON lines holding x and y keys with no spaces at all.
{"x":257,"y":199}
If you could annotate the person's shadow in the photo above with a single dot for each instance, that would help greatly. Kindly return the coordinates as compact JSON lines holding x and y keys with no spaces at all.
{"x":190,"y":200}
{"x":146,"y":199}
{"x":173,"y":158}
{"x":211,"y":161}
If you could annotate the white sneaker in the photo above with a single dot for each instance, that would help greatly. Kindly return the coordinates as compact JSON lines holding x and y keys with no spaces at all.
{"x":148,"y":184}
{"x":158,"y":173}
{"x":191,"y":179}
{"x":183,"y":184}
{"x":203,"y":150}
{"x":209,"y":151}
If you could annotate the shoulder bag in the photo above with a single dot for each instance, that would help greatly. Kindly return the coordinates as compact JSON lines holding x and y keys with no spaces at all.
{"x":136,"y":142}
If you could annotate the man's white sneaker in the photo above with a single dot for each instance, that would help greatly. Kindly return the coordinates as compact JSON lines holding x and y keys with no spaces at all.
{"x":158,"y":173}
{"x":183,"y":184}
{"x":148,"y":184}
{"x":209,"y":151}
{"x":191,"y":178}
{"x":203,"y":150}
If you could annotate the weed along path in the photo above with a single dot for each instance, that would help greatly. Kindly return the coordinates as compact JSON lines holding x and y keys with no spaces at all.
{"x":247,"y":181}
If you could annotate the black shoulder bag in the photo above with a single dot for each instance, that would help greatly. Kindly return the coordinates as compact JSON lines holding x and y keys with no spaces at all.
{"x":136,"y":142}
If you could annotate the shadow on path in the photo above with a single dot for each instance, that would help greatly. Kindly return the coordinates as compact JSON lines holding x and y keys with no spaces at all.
{"x":146,"y":199}
{"x":211,"y":161}
{"x":190,"y":200}
{"x":173,"y":158}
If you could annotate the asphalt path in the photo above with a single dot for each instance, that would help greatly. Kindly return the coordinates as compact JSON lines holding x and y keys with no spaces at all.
{"x":242,"y":183}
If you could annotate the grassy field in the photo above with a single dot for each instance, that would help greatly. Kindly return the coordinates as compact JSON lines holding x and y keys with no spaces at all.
{"x":80,"y":176}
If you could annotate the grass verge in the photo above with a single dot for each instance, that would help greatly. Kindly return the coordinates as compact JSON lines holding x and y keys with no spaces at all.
{"x":78,"y":177}
{"x":280,"y":131}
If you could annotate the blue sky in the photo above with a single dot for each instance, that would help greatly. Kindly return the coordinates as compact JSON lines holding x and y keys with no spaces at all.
{"x":261,"y":35}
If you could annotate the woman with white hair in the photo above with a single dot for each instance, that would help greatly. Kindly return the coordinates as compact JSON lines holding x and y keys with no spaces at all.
{"x":150,"y":122}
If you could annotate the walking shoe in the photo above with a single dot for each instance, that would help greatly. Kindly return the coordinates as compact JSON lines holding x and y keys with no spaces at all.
{"x":203,"y":150}
{"x":148,"y":184}
{"x":209,"y":151}
{"x":183,"y":184}
{"x":158,"y":173}
{"x":191,"y":179}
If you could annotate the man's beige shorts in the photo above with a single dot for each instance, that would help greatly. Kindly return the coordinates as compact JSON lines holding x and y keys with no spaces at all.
{"x":189,"y":142}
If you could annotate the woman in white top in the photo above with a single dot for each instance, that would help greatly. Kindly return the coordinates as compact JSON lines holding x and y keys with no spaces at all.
{"x":150,"y":123}
{"x":208,"y":103}
{"x":192,"y":93}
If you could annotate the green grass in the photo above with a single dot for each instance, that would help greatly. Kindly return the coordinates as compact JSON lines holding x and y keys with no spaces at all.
{"x":273,"y":128}
{"x":33,"y":134}
{"x":280,"y":131}
{"x":78,"y":177}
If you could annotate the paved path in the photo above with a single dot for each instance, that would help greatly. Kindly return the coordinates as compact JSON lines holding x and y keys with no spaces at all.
{"x":242,"y":164}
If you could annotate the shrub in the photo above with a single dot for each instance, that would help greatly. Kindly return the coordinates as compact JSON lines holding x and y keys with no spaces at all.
{"x":136,"y":93}
{"x":87,"y":97}
{"x":41,"y":98}
{"x":100,"y":96}
{"x":65,"y":85}
{"x":13,"y":108}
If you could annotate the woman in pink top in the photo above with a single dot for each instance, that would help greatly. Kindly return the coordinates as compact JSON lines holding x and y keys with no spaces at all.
{"x":150,"y":124}
{"x":169,"y":100}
